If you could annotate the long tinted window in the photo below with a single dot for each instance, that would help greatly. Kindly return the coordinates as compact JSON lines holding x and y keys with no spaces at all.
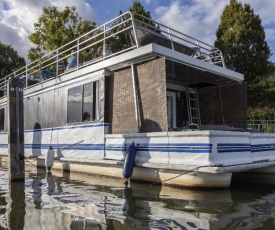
{"x":82,"y":103}
{"x":88,"y":102}
{"x":2,"y":119}
{"x":75,"y":104}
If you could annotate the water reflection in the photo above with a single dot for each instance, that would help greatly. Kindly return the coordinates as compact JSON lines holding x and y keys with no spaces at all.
{"x":52,"y":201}
{"x":16,"y":210}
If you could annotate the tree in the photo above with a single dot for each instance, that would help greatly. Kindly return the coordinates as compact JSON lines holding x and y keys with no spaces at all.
{"x":139,"y":9}
{"x":125,"y":40}
{"x":241,"y":38}
{"x":9,"y":60}
{"x":56,"y":28}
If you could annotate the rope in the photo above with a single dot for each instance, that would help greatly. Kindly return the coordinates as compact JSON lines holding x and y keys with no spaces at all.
{"x":30,"y":162}
{"x":160,"y":182}
{"x":185,"y":172}
{"x":68,"y":146}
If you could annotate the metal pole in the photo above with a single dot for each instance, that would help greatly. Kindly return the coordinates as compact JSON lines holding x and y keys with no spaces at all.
{"x":16,"y":130}
{"x":135,"y":97}
{"x":77,"y":53}
{"x":134,"y":30}
{"x":26,"y":76}
{"x":172,"y":43}
{"x":57,"y":60}
{"x":104,"y":42}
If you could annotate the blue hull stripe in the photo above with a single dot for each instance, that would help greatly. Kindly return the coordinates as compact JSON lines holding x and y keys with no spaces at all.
{"x":233,"y":147}
{"x":102,"y":147}
{"x":227,"y":148}
{"x":155,"y":147}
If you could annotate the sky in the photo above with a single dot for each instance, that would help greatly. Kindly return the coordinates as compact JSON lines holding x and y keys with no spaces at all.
{"x":197,"y":18}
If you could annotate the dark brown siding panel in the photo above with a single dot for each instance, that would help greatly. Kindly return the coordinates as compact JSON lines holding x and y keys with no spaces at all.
{"x":123,"y":114}
{"x":152,"y":93}
{"x":224,"y":105}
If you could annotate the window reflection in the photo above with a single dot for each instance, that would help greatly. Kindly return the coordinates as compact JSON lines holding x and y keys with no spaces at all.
{"x":75,"y":104}
{"x":88,"y":102}
{"x":82,"y":103}
{"x":2,"y":119}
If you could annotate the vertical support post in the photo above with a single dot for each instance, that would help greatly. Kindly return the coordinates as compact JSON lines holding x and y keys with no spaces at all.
{"x":57,"y":60}
{"x":104,"y":42}
{"x":40,"y":71}
{"x":26,"y":76}
{"x":169,"y":34}
{"x":135,"y":97}
{"x":16,"y":130}
{"x":77,"y":53}
{"x":134,"y":29}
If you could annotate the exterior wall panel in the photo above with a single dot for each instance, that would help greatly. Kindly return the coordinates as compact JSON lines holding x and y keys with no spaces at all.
{"x":151,"y":93}
{"x":224,"y":105}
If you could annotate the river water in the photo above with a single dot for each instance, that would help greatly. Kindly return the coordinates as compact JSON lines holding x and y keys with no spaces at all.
{"x":60,"y":200}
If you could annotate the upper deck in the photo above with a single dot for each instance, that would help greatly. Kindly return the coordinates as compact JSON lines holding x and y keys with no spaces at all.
{"x":129,"y":39}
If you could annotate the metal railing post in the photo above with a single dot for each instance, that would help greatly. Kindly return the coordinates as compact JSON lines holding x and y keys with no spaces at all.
{"x":57,"y":59}
{"x":134,"y":29}
{"x":135,"y":97}
{"x":77,"y":53}
{"x":26,"y":77}
{"x":169,"y":34}
{"x":104,"y":41}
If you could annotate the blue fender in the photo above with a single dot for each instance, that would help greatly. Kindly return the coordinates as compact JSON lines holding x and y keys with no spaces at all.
{"x":129,"y":161}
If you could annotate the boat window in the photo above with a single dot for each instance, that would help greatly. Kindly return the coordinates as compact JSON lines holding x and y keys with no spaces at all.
{"x":82,"y":103}
{"x":89,"y":96}
{"x":2,"y":119}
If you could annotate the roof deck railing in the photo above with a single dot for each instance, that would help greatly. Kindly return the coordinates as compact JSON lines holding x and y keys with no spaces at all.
{"x":124,"y":33}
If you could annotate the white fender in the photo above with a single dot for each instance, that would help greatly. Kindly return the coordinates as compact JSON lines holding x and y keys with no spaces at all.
{"x":49,"y":158}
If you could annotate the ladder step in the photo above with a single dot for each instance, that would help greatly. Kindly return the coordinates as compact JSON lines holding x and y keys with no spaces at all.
{"x":193,"y":107}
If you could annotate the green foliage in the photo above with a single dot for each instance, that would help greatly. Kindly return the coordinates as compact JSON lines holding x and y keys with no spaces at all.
{"x":126,"y":39}
{"x":262,"y":97}
{"x":139,"y":9}
{"x":241,"y":38}
{"x":263,"y":93}
{"x":56,"y":28}
{"x":9,"y":60}
{"x":261,"y":113}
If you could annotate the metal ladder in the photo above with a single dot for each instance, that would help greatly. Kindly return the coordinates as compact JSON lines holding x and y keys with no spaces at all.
{"x":193,"y":106}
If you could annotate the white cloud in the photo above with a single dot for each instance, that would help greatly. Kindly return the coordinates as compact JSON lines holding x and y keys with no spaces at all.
{"x":16,"y":23}
{"x":201,"y":18}
{"x":198,"y":18}
{"x":147,"y":1}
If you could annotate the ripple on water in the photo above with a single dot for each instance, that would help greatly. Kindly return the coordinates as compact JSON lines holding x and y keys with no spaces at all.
{"x":54,"y":202}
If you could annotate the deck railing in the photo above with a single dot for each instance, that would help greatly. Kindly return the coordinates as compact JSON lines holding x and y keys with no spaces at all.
{"x":262,"y":125}
{"x":124,"y":33}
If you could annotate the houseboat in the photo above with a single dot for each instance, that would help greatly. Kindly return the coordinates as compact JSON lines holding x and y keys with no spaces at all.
{"x":136,"y":81}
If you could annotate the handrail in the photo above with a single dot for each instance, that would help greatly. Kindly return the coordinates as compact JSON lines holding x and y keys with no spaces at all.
{"x":262,"y":125}
{"x":106,"y":35}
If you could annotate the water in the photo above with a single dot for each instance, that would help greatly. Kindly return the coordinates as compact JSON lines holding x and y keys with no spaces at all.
{"x":75,"y":201}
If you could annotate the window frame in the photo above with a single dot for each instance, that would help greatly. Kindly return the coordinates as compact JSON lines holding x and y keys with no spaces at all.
{"x":95,"y":107}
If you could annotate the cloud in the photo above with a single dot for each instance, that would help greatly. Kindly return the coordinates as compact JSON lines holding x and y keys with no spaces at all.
{"x":197,"y":18}
{"x":200,"y":18}
{"x":18,"y":16}
{"x":147,"y":1}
